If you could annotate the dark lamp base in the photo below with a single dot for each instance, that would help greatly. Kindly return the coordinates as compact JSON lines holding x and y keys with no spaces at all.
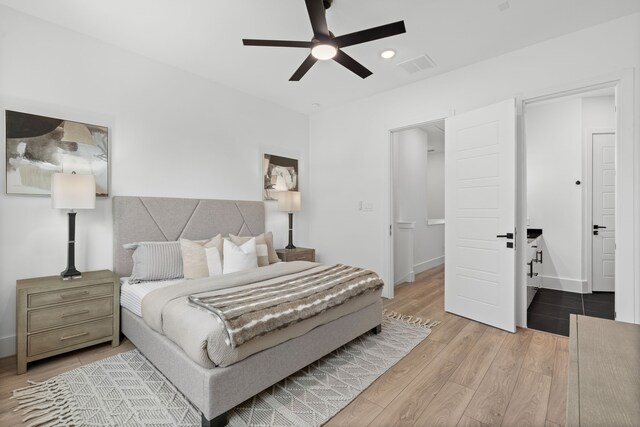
{"x":71,"y":274}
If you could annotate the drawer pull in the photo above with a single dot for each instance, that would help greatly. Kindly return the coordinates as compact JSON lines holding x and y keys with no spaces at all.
{"x":76,"y":295}
{"x":77,"y":313}
{"x":81,"y":334}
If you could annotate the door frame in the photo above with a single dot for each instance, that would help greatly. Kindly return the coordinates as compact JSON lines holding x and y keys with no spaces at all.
{"x":388,"y":291}
{"x":627,"y":295}
{"x":587,"y":252}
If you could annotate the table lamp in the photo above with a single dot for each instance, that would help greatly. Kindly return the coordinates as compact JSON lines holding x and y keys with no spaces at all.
{"x":72,"y":191}
{"x":289,"y":201}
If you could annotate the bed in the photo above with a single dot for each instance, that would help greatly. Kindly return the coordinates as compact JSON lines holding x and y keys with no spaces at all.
{"x":216,"y":381}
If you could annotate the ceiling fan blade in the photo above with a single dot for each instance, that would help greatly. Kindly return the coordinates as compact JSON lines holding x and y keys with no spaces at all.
{"x":302,"y":70}
{"x":370,"y":34}
{"x":276,"y":43}
{"x":351,"y":64}
{"x":318,"y":17}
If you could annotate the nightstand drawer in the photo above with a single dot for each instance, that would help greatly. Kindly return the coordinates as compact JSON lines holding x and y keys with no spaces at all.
{"x":297,"y":254}
{"x":307,"y":256}
{"x":67,"y":314}
{"x":45,"y":342}
{"x":47,"y":298}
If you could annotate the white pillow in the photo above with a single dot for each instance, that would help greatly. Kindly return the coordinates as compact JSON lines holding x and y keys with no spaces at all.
{"x":214,"y":262}
{"x":239,"y":258}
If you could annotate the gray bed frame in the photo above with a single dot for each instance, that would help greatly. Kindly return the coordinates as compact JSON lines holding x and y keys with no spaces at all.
{"x":214,"y":391}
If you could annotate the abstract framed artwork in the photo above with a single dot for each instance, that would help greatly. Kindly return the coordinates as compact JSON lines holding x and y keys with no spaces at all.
{"x":39,"y":146}
{"x":280,"y":174}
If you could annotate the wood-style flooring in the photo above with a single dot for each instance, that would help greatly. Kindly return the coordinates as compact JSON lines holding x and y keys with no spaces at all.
{"x":464,"y":374}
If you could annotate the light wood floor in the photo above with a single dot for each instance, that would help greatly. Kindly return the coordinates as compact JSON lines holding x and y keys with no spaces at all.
{"x":464,"y":374}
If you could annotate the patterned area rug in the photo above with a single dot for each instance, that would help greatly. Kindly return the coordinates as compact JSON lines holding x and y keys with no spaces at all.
{"x":127,"y":390}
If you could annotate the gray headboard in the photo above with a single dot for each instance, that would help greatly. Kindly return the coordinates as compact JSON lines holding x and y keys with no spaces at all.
{"x":152,"y":219}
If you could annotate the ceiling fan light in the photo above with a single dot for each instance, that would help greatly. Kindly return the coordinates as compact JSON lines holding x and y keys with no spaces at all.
{"x":387,"y":54}
{"x":324,"y":52}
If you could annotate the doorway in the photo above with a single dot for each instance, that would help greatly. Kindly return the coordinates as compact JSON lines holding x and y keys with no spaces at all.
{"x":479,"y":214}
{"x":570,"y":145}
{"x":417,"y":225}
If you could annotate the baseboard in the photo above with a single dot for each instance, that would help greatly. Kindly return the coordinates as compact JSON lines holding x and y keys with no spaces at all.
{"x":428,"y":265}
{"x":409,"y":277}
{"x":7,"y":346}
{"x":562,"y":284}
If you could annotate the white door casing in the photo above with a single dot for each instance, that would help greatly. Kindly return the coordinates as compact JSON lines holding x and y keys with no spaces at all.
{"x":480,"y":183}
{"x":603,"y":212}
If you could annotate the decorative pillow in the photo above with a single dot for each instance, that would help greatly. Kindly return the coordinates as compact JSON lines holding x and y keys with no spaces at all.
{"x":201,"y":258}
{"x":273,"y":255}
{"x":262,"y":250}
{"x":155,"y":261}
{"x":266,"y":255}
{"x":239,"y":258}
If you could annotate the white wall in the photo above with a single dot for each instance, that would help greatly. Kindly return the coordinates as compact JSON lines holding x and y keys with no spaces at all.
{"x":172,"y":134}
{"x":359,"y":131}
{"x":598,"y":112}
{"x":557,"y":135}
{"x":412,"y":202}
{"x":554,"y":201}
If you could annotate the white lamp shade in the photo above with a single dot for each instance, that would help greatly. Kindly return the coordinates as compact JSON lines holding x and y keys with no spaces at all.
{"x":71,"y":191}
{"x":289,"y":201}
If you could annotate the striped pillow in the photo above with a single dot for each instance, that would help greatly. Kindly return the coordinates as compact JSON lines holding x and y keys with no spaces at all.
{"x":155,"y":261}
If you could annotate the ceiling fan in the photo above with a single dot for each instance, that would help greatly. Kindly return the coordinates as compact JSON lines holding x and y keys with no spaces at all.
{"x":325,"y":45}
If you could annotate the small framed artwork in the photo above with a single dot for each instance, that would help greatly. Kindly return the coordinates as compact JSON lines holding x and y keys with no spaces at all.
{"x":280,"y":174}
{"x":39,"y":146}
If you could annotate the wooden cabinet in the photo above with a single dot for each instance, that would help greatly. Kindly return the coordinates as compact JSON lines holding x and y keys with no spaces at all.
{"x":54,"y":316}
{"x":297,"y":254}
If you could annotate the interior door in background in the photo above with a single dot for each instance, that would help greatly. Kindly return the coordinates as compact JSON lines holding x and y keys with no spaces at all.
{"x":604,"y":212}
{"x":480,"y":183}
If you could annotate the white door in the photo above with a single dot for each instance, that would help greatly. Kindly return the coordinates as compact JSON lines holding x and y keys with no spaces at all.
{"x":604,"y":212}
{"x":480,"y":182}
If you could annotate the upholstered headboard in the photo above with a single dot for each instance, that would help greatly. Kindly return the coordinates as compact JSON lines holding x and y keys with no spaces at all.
{"x":151,"y":219}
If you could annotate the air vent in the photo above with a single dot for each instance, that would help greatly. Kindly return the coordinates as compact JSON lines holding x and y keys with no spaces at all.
{"x":417,"y":64}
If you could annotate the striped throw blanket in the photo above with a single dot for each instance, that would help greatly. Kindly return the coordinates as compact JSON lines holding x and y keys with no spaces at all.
{"x":250,"y":313}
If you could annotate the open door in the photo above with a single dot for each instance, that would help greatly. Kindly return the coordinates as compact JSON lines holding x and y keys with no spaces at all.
{"x":480,"y":202}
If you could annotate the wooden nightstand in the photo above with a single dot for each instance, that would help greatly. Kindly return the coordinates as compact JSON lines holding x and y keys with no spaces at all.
{"x":54,"y":316}
{"x":297,"y":254}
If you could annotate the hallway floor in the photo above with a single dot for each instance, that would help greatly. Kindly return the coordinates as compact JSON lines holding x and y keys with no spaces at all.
{"x":550,"y":309}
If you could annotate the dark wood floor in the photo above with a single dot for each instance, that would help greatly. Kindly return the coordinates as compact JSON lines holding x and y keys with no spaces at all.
{"x":465,"y":373}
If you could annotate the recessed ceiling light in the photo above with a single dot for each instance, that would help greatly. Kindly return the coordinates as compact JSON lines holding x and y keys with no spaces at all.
{"x":503,"y":6}
{"x":324,"y":51}
{"x":387,"y":54}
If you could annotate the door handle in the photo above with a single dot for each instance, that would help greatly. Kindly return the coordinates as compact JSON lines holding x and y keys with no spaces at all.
{"x":506,"y":236}
{"x":595,"y":227}
{"x":530,"y":264}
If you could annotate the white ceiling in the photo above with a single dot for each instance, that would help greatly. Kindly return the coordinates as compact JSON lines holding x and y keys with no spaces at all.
{"x":204,"y":37}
